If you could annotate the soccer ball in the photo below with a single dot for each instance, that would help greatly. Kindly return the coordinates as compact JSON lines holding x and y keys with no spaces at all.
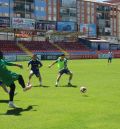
{"x":83,"y":89}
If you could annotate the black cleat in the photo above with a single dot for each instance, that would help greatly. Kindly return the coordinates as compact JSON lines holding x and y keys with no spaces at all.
{"x":69,"y":84}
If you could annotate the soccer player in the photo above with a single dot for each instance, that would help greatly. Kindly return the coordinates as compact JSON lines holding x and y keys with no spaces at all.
{"x":7,"y":77}
{"x":4,"y":87}
{"x":35,"y":65}
{"x":63,"y":69}
{"x":110,"y":56}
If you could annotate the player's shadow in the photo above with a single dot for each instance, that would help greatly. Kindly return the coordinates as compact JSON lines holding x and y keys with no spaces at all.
{"x":43,"y":86}
{"x":85,"y":95}
{"x":18,"y":111}
{"x":6,"y":101}
{"x":69,"y":86}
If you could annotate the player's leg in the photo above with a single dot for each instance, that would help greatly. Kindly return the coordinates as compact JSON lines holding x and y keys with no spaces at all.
{"x":11,"y":96}
{"x":110,"y":60}
{"x":38,"y":75}
{"x":70,"y":78}
{"x":4,"y":87}
{"x":68,"y":72}
{"x":22,"y":83}
{"x":30,"y":76}
{"x":40,"y":79}
{"x":58,"y":79}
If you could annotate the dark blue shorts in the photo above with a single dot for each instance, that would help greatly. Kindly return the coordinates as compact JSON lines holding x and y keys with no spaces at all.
{"x":110,"y":58}
{"x":36,"y":72}
{"x":66,"y":71}
{"x":1,"y":83}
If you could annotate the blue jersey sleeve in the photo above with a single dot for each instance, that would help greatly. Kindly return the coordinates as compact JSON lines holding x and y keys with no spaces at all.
{"x":40,"y":64}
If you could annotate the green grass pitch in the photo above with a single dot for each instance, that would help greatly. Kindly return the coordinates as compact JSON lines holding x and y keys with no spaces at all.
{"x":51,"y":107}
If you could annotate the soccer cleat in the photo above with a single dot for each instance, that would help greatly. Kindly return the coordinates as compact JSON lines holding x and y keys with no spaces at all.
{"x":12,"y":105}
{"x":69,"y":84}
{"x":28,"y":84}
{"x":40,"y":85}
{"x":28,"y":87}
{"x":56,"y":85}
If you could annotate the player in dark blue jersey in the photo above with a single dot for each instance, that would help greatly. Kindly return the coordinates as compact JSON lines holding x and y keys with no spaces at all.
{"x":35,"y":65}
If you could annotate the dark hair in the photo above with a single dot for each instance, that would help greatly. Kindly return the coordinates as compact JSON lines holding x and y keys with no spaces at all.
{"x":35,"y":55}
{"x":63,"y":54}
{"x":1,"y":55}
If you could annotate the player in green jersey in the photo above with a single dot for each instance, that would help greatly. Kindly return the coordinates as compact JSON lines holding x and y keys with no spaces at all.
{"x":4,"y":87}
{"x":7,"y":77}
{"x":63,"y":69}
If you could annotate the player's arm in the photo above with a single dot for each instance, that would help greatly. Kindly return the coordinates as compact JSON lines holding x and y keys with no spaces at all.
{"x":40,"y":64}
{"x":12,"y":64}
{"x":5,"y":88}
{"x":29,"y":63}
{"x":52,"y":64}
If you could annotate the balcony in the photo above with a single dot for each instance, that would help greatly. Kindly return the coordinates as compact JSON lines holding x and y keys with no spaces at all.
{"x":22,"y":9}
{"x":73,"y":14}
{"x":64,"y":14}
{"x":30,"y":1}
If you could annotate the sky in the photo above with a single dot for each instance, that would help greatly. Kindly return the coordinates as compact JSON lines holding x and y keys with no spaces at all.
{"x":99,"y":0}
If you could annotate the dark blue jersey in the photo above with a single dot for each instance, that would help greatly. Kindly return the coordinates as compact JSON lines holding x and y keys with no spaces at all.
{"x":35,"y":64}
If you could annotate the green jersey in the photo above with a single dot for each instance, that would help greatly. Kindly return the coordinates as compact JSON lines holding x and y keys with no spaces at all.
{"x":6,"y":76}
{"x":62,"y":63}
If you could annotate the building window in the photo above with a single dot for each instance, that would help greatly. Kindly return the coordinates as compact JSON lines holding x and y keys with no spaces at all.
{"x":4,"y":4}
{"x":92,"y":4}
{"x":82,"y":19}
{"x":6,"y":14}
{"x":32,"y":16}
{"x":88,"y":4}
{"x":88,"y":18}
{"x":54,"y":18}
{"x":37,"y":8}
{"x":50,"y":2}
{"x":49,"y":10}
{"x":49,"y":18}
{"x":54,"y":2}
{"x":54,"y":10}
{"x":27,"y":15}
{"x":18,"y":15}
{"x":92,"y":19}
{"x":92,"y":10}
{"x":82,"y":3}
{"x":42,"y":9}
{"x":27,"y":7}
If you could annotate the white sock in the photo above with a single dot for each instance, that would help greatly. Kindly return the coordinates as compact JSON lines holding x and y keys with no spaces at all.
{"x":69,"y":81}
{"x":40,"y":82}
{"x":10,"y":102}
{"x":56,"y":82}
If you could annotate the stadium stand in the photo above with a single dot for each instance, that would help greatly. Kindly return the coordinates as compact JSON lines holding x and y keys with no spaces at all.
{"x":40,"y":46}
{"x":9,"y":46}
{"x":72,"y":46}
{"x":76,"y":50}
